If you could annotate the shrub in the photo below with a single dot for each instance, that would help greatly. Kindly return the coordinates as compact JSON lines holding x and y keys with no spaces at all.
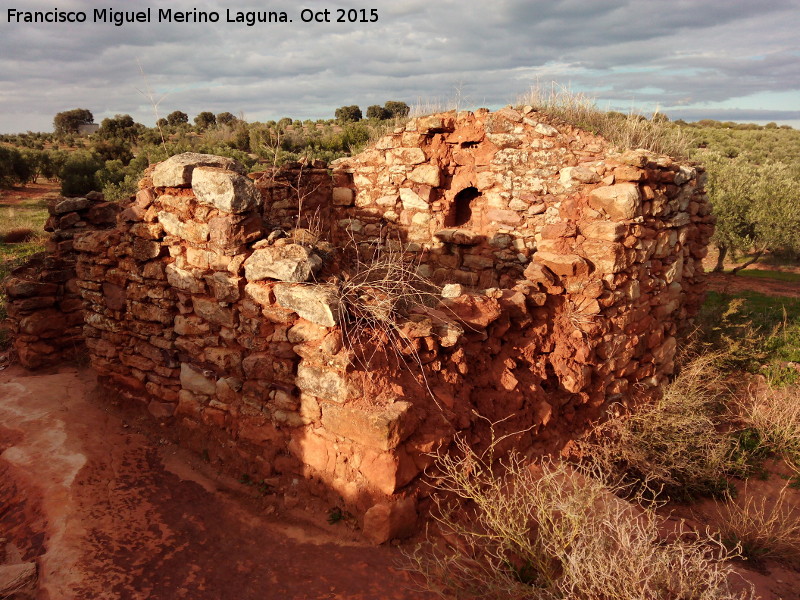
{"x":379,"y":291}
{"x":113,"y":149}
{"x":348,"y":113}
{"x":671,"y":447}
{"x":774,"y":415}
{"x":115,"y":191}
{"x":558,"y":534}
{"x":112,"y":173}
{"x":78,"y":173}
{"x":761,"y":528}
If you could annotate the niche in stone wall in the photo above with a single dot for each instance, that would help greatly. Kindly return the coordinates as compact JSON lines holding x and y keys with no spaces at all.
{"x":461,"y":213}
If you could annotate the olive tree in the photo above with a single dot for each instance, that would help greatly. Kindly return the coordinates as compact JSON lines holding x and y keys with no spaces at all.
{"x":757,"y":207}
{"x":70,"y":121}
{"x":13,"y":168}
{"x":205,"y":119}
{"x":348,"y":113}
{"x":177,"y":117}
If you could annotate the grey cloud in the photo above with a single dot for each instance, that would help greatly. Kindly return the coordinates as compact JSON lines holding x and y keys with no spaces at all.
{"x":648,"y":51}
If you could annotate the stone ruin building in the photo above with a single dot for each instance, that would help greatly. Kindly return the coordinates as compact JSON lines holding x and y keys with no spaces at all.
{"x":250,"y":314}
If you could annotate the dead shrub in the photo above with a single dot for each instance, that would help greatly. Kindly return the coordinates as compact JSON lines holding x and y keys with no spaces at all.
{"x":774,"y":414}
{"x":673,"y":446}
{"x":761,"y":527}
{"x":18,"y":235}
{"x":376,"y":296}
{"x":558,"y":533}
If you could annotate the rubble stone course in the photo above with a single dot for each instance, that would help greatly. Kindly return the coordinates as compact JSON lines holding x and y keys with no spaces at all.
{"x":570,"y":272}
{"x":45,"y":294}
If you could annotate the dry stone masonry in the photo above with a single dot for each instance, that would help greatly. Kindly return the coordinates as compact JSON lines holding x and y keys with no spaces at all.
{"x":44,"y":300}
{"x":567,"y":274}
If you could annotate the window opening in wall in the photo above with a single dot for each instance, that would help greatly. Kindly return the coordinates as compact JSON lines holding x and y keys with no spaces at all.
{"x":463,"y":205}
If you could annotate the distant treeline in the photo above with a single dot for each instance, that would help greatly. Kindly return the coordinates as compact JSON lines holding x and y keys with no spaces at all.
{"x":113,"y":157}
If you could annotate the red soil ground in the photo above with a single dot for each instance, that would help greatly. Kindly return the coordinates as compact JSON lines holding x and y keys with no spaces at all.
{"x":732,"y":284}
{"x":108,"y":511}
{"x":30,"y":191}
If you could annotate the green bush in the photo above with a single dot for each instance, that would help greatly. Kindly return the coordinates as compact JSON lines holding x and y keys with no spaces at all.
{"x":78,"y":175}
{"x":113,"y":149}
{"x":348,"y":114}
{"x":204,"y":120}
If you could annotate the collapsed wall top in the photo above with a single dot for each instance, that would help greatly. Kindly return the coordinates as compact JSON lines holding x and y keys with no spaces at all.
{"x":480,"y":195}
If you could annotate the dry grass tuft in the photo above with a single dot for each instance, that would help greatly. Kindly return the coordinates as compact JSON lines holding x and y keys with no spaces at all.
{"x":671,"y":446}
{"x":458,"y":101}
{"x":24,"y":217}
{"x":629,"y":131}
{"x":558,"y":534}
{"x":578,"y":315}
{"x":376,"y":296}
{"x":762,"y":528}
{"x":775,"y":415}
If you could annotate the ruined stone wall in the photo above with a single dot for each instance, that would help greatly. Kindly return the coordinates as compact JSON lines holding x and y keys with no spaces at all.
{"x":44,"y":303}
{"x":531,"y":187}
{"x":296,"y":195}
{"x":570,"y":271}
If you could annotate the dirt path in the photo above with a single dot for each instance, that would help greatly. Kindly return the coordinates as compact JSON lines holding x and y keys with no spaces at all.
{"x":110,"y":514}
{"x":732,"y":284}
{"x":29,"y":191}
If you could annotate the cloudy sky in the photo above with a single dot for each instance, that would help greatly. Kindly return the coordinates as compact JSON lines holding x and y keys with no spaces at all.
{"x":723,"y":59}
